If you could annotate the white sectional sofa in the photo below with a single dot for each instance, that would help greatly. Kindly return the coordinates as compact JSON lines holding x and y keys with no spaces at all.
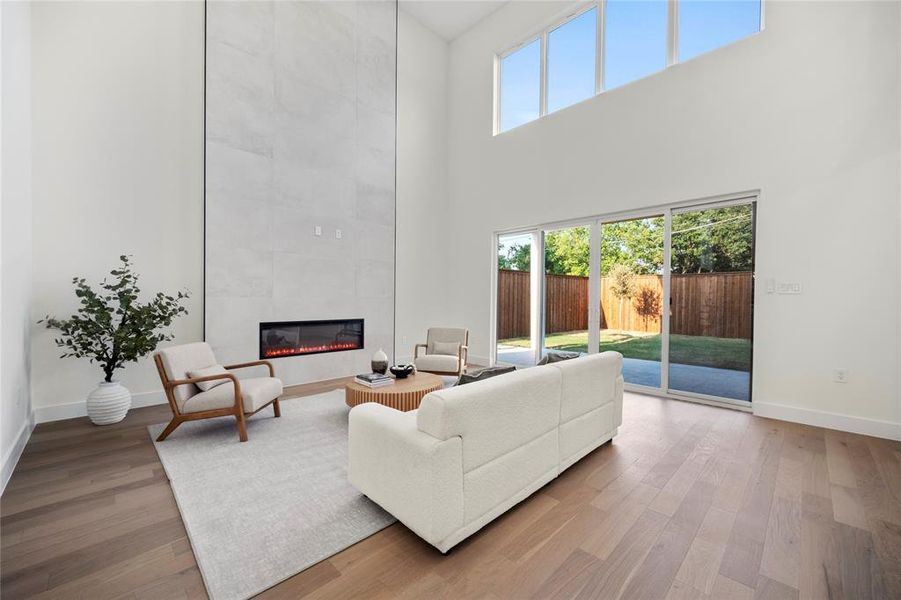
{"x":472,"y":452}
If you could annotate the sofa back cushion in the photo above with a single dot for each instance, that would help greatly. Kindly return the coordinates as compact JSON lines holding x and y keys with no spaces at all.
{"x":588,"y":383}
{"x":178,"y":361}
{"x":588,"y":406}
{"x":496,"y":416}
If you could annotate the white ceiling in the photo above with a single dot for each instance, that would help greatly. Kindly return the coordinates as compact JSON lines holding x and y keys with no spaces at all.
{"x":450,"y":18}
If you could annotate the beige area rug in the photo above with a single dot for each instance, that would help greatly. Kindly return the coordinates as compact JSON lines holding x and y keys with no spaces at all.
{"x":262,"y":511}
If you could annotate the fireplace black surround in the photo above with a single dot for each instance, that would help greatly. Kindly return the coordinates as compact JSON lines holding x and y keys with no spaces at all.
{"x":300,"y":338}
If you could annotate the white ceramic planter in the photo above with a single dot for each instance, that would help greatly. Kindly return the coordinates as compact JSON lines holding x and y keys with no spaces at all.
{"x":108,"y":403}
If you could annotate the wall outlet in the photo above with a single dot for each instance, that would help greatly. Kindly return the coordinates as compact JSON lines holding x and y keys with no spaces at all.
{"x":338,"y":234}
{"x":840,"y":376}
{"x":317,"y":230}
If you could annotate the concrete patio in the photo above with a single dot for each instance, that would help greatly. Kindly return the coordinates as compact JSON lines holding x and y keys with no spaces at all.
{"x":723,"y":383}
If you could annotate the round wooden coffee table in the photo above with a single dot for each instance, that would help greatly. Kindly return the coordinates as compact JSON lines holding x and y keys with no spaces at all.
{"x":404,"y":394}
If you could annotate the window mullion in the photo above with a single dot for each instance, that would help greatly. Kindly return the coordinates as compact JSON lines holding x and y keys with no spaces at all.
{"x":542,"y":102}
{"x":599,"y":53}
{"x":498,"y":74}
{"x":672,"y":33}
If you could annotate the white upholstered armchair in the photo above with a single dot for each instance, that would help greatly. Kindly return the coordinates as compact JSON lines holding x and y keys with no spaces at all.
{"x":445,"y":351}
{"x":198,"y":387}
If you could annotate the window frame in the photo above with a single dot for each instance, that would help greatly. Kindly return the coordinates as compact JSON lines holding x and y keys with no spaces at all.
{"x":498,"y":74}
{"x":541,"y":34}
{"x":571,"y":15}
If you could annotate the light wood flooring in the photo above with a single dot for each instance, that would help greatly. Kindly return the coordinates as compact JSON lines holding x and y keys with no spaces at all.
{"x":689,"y":501}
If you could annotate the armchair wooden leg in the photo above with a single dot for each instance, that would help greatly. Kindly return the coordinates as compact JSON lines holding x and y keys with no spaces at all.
{"x":175,"y":422}
{"x":276,"y":408}
{"x":242,"y":427}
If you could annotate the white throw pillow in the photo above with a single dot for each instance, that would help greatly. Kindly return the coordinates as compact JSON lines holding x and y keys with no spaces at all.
{"x":449,"y":348}
{"x":206,"y":371}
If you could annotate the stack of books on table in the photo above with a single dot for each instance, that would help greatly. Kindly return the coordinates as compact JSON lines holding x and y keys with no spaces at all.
{"x":374,"y":380}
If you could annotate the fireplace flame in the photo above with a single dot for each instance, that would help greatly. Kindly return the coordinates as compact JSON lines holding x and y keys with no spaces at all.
{"x":295,"y":350}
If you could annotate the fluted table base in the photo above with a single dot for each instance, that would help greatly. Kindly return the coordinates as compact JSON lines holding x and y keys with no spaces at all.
{"x":404,"y":394}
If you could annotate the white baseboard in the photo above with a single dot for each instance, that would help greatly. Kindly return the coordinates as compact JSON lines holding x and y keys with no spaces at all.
{"x":829,"y":420}
{"x":72,"y":410}
{"x":15,"y":453}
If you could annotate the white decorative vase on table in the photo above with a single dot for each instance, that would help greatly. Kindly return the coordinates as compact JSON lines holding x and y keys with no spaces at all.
{"x":108,"y":403}
{"x":379,"y":363}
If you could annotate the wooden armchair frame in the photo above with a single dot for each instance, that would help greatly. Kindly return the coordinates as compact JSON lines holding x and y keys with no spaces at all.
{"x":462,"y":354}
{"x":237,"y":409}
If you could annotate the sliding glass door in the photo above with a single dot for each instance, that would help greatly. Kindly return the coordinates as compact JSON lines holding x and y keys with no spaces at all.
{"x":567,"y":263}
{"x":671,"y":290}
{"x":711,"y":307}
{"x":631,"y":317}
{"x":516,"y":338}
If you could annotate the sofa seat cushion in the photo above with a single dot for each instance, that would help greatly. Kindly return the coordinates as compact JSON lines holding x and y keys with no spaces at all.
{"x":256,"y":392}
{"x":438,"y":362}
{"x":583,"y":434}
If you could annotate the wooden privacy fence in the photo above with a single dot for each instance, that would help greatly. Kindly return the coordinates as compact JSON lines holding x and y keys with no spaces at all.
{"x":708,"y":304}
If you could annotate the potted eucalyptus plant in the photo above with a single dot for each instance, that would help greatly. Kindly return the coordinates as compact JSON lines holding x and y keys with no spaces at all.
{"x":112,"y":328}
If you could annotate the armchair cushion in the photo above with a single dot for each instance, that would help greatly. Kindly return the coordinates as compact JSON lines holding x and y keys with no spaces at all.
{"x":454,"y":335}
{"x":205,"y":386}
{"x":255,"y":393}
{"x":180,"y":360}
{"x":446,"y":348}
{"x":438,"y":362}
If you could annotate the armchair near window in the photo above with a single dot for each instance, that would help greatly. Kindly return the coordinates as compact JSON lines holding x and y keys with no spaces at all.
{"x":198,"y":388}
{"x":445,"y":351}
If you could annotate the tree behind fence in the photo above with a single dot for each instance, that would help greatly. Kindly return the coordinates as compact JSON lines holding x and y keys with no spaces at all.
{"x":707,"y":304}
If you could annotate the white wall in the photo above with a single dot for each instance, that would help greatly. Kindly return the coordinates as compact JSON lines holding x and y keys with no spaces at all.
{"x":118,"y":150}
{"x":807,"y":111}
{"x":423,"y":247}
{"x":16,"y":420}
{"x":898,"y":238}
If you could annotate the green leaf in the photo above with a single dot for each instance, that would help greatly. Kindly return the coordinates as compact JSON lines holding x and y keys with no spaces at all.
{"x":113,"y":328}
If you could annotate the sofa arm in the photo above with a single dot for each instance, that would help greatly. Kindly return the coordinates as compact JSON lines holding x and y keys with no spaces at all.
{"x":414,"y":476}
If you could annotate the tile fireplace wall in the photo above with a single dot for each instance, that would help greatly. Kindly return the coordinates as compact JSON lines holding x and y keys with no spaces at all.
{"x":300,"y":134}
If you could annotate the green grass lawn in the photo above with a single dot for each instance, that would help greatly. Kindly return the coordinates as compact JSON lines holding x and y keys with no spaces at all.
{"x":724,"y":353}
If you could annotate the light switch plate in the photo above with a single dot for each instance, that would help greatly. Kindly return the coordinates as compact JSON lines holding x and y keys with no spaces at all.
{"x":788,"y":287}
{"x":317,"y":230}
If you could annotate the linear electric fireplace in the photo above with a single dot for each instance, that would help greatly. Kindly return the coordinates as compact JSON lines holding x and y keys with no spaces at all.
{"x":297,"y":338}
